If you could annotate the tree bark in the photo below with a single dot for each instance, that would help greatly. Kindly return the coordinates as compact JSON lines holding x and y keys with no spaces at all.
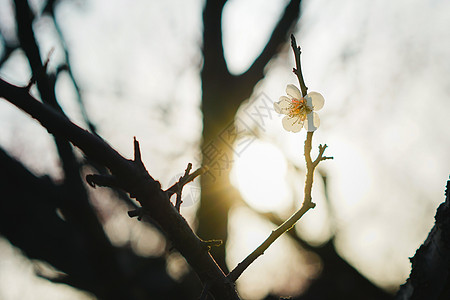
{"x":430,"y":273}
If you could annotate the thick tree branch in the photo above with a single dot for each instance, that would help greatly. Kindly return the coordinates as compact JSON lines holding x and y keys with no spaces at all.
{"x":29,"y":219}
{"x":213,"y":54}
{"x":136,"y":180}
{"x":430,"y":273}
{"x":277,"y":38}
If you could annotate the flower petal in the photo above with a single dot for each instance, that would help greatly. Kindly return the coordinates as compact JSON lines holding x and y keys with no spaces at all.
{"x":293,"y":124}
{"x":293,"y":91}
{"x":317,"y":100}
{"x":312,"y":122}
{"x":282,"y":106}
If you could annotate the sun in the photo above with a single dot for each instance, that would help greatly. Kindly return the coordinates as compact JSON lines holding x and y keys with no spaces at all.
{"x":260,"y":175}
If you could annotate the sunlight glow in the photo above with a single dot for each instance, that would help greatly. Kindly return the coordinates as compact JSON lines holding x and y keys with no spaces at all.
{"x":259,"y":174}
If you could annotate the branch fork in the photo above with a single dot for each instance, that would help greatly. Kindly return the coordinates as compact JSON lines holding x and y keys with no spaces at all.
{"x":112,"y":181}
{"x":177,"y":188}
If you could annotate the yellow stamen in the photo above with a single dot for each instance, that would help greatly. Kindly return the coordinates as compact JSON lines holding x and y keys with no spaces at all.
{"x":299,"y":108}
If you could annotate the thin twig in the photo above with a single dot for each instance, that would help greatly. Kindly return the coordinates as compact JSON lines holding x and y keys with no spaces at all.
{"x":185,"y":179}
{"x":307,"y":201}
{"x":68,"y":68}
{"x":298,"y":69}
{"x":289,"y":223}
{"x":177,"y":187}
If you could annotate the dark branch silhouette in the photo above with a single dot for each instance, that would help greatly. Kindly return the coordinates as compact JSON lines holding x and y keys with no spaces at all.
{"x":131,"y":176}
{"x":75,"y":207}
{"x":277,"y":39}
{"x":430,"y":274}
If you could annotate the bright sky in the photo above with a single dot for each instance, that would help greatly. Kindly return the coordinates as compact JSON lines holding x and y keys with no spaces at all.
{"x":381,"y":66}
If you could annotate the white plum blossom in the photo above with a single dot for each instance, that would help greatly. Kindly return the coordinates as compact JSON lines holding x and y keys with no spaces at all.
{"x":299,"y":111}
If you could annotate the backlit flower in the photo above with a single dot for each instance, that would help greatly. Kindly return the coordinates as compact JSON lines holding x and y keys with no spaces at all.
{"x":299,"y":111}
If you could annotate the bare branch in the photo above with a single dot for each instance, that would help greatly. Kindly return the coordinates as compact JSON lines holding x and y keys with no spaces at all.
{"x":186,"y":178}
{"x":307,"y":201}
{"x":177,"y":188}
{"x":135,"y":180}
{"x":29,"y":45}
{"x":289,"y":223}
{"x":242,"y":266}
{"x":50,"y":9}
{"x":298,"y":69}
{"x":278,"y":37}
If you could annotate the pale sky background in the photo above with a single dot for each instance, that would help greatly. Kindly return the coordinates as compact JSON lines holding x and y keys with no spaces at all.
{"x":382,"y":67}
